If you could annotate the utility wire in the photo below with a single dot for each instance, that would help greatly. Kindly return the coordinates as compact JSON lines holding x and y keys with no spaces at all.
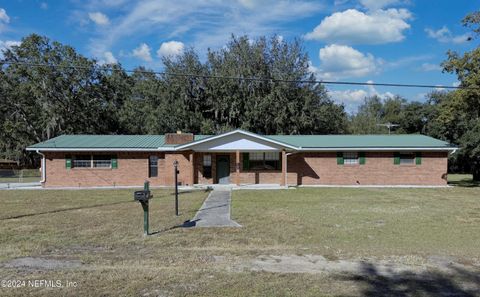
{"x":250,"y":78}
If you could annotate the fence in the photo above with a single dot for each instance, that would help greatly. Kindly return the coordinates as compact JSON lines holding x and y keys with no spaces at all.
{"x":20,"y":175}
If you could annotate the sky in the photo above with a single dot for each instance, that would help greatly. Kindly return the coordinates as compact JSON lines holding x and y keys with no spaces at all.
{"x":382,"y":41}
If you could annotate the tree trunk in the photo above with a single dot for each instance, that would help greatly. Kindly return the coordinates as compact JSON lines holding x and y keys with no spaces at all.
{"x":476,"y":173}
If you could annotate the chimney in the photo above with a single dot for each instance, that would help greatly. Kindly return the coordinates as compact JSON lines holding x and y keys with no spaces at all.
{"x":178,"y":138}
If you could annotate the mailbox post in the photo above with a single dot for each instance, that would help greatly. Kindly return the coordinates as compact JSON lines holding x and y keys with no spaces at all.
{"x":175,"y":165}
{"x":143,"y":197}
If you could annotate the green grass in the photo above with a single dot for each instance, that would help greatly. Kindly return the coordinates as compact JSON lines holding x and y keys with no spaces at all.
{"x":462,"y":180}
{"x":103,"y":230}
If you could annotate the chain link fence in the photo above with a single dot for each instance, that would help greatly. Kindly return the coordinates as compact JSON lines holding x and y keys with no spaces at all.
{"x":20,"y":175}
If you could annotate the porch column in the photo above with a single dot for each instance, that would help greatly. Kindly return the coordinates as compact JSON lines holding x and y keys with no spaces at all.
{"x":237,"y":168}
{"x":284,"y":169}
{"x":192,"y":172}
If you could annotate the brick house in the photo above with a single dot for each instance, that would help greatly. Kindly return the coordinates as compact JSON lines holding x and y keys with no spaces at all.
{"x":241,"y":157}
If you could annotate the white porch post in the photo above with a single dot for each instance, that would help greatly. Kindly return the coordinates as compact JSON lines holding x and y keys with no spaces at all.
{"x":237,"y":167}
{"x":284,"y":169}
{"x":192,"y":172}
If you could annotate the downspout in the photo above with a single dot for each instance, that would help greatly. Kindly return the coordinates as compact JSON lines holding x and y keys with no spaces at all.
{"x":44,"y":171}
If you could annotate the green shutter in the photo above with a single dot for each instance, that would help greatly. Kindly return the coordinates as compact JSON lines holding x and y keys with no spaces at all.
{"x":361,"y":157}
{"x":340,"y":158}
{"x":114,"y":163}
{"x":418,"y":158}
{"x":246,"y":161}
{"x":68,"y":162}
{"x":396,"y":158}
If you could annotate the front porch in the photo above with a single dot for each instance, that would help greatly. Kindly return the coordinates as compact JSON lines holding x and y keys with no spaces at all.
{"x":239,"y":158}
{"x":237,"y":168}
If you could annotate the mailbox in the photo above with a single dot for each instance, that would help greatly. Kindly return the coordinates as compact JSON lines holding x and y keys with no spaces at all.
{"x":142,"y":196}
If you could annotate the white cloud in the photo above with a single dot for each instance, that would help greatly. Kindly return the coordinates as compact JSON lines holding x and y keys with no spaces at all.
{"x":99,"y":18}
{"x":44,"y":5}
{"x":377,"y":4}
{"x":143,"y":52}
{"x":248,"y":3}
{"x":354,"y":98}
{"x":4,"y":45}
{"x":341,"y":61}
{"x":170,"y":49}
{"x":355,"y":27}
{"x":209,"y":23}
{"x":8,"y":44}
{"x":110,"y":58}
{"x":4,"y":19}
{"x":426,"y":67}
{"x":444,"y":35}
{"x":4,"y":16}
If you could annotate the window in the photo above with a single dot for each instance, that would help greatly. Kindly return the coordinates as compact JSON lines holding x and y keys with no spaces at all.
{"x":102,"y":161}
{"x":350,"y":158}
{"x":207,"y":166}
{"x":407,"y":159}
{"x":82,"y":161}
{"x":153,"y":166}
{"x":264,"y":161}
{"x":92,"y":161}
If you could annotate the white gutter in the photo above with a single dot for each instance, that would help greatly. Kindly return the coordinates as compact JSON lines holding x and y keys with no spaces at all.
{"x":383,"y":149}
{"x":160,"y":149}
{"x":44,"y":169}
{"x":454,"y":151}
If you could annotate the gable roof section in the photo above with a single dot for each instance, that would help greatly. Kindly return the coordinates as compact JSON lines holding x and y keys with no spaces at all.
{"x":238,"y":131}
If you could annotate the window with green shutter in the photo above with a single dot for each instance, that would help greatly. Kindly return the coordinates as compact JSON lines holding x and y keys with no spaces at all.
{"x":68,"y":162}
{"x":340,"y":160}
{"x":361,"y":158}
{"x":418,"y":158}
{"x":396,"y":158}
{"x":114,"y":162}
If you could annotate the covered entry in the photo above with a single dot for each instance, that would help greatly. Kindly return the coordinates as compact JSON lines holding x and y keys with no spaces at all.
{"x":239,"y":157}
{"x":223,"y":169}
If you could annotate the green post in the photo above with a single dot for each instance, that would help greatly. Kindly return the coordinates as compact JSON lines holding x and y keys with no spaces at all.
{"x":146,"y":187}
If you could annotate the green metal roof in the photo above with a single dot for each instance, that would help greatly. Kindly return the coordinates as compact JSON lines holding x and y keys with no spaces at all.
{"x":361,"y":141}
{"x":300,"y":141}
{"x":106,"y":141}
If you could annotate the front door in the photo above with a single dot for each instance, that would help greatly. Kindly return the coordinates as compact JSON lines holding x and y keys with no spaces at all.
{"x":223,"y":169}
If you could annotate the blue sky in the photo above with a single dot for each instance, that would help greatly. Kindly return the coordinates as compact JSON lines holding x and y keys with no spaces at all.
{"x":401,"y":41}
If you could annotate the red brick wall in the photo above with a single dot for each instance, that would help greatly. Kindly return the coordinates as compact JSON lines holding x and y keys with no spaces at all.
{"x":321,"y":168}
{"x":303,"y":168}
{"x":132,"y":171}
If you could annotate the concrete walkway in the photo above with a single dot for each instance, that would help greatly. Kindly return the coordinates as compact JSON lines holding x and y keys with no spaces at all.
{"x":215,"y":211}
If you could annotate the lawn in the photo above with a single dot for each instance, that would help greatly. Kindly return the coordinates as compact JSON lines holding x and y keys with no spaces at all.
{"x":296,"y":242}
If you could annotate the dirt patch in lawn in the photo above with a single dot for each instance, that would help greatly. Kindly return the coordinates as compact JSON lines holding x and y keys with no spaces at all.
{"x":42,"y":263}
{"x":319,"y":264}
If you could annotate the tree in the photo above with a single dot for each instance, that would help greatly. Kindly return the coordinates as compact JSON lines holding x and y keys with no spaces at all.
{"x":43,"y":102}
{"x":462,"y":110}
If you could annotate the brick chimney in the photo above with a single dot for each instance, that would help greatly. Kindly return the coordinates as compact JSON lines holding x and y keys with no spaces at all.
{"x":178,"y":138}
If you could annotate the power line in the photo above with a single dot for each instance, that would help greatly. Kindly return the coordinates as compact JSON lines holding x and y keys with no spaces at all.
{"x":250,"y":78}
